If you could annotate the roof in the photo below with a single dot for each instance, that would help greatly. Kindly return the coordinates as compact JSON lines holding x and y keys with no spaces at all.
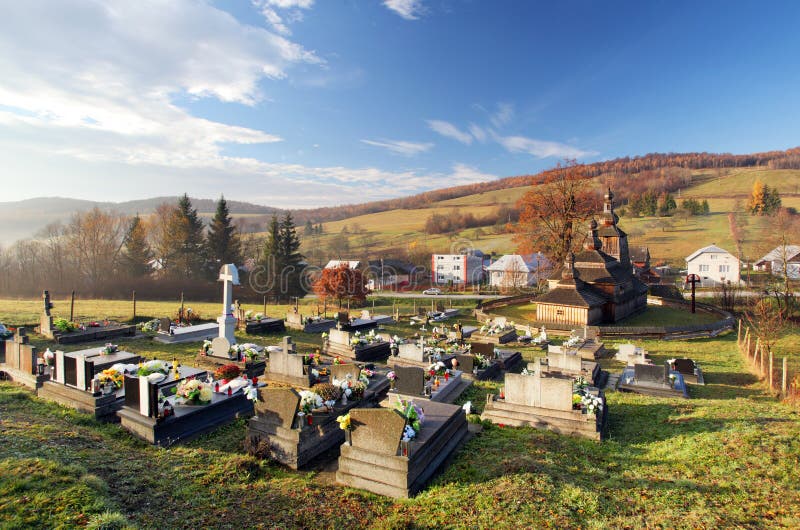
{"x":639,"y":253}
{"x":334,"y":263}
{"x":778,"y":253}
{"x":708,"y":250}
{"x":390,"y":265}
{"x":570,"y":296}
{"x":520,"y":263}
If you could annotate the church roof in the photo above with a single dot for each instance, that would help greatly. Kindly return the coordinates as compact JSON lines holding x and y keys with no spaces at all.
{"x":571,"y":296}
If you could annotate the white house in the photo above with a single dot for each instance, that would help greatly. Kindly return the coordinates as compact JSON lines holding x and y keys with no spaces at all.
{"x":514,"y":270}
{"x":456,"y":269}
{"x":713,"y":265}
{"x":773,"y":261}
{"x":335,"y":263}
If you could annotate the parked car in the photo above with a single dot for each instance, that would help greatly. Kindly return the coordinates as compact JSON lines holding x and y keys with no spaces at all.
{"x":432,"y":290}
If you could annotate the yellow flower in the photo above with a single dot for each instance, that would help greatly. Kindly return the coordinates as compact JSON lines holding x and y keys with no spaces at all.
{"x":344,"y":422}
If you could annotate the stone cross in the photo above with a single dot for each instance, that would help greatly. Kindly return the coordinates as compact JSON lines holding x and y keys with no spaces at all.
{"x":46,"y":320}
{"x":229,"y":275}
{"x":48,"y":305}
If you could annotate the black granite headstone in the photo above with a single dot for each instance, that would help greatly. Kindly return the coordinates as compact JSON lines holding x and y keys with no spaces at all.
{"x":164,"y":325}
{"x":410,"y":380}
{"x":651,"y":373}
{"x":466,"y":363}
{"x":485,"y":349}
{"x":684,"y":366}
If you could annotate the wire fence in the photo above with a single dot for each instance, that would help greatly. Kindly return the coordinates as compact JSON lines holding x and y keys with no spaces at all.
{"x":774,"y":371}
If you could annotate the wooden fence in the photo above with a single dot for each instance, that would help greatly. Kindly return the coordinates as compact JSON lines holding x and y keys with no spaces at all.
{"x":774,"y":371}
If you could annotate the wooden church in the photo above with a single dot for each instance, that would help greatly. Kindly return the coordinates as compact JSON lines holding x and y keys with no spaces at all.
{"x":597,"y":285}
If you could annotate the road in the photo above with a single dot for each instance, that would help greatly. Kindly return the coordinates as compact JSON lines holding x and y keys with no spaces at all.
{"x":443,"y":296}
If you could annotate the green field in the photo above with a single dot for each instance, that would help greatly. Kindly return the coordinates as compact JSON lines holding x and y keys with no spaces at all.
{"x":725,"y":458}
{"x":670,"y":239}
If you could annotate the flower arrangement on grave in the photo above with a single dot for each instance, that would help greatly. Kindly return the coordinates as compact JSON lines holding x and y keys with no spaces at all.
{"x":194,"y":391}
{"x":324,"y":337}
{"x":344,"y":422}
{"x":490,"y":328}
{"x":482,"y":362}
{"x":111,"y":376}
{"x":337,"y":360}
{"x":414,"y":416}
{"x":312,"y":359}
{"x":153,"y":367}
{"x":327,"y":391}
{"x":258,"y":316}
{"x":251,"y":393}
{"x":358,"y":388}
{"x":582,"y":399}
{"x":63,"y":325}
{"x":49,"y":357}
{"x":151,"y":326}
{"x":248,"y":315}
{"x":672,"y":378}
{"x":366,"y":372}
{"x":309,"y":401}
{"x":572,"y":342}
{"x":226,"y":372}
{"x":525,"y":371}
{"x":108,"y":349}
{"x":206,"y":347}
{"x":392,"y":377}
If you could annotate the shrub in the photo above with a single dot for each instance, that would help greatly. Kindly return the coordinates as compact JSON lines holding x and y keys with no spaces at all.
{"x":227,"y":371}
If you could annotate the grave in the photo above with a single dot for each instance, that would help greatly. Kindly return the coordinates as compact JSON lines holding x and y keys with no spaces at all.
{"x":415,"y":353}
{"x":412,"y":384}
{"x":287,"y":367}
{"x":376,"y":460}
{"x":219,"y":354}
{"x":444,"y":314}
{"x":295,"y":320}
{"x":90,"y":332}
{"x":141,"y":412}
{"x":690,"y":370}
{"x":631,"y":355}
{"x":470,"y":365}
{"x":497,"y":331}
{"x":182,"y":334}
{"x":544,"y":401}
{"x":574,"y":366}
{"x":345,"y":323}
{"x":264,"y":325}
{"x":277,"y":432}
{"x":379,"y":319}
{"x":653,"y":380}
{"x":71,"y":382}
{"x":19,"y":362}
{"x":341,"y":343}
{"x":508,"y":359}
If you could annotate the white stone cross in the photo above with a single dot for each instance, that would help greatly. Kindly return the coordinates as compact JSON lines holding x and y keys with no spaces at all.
{"x":230,"y":276}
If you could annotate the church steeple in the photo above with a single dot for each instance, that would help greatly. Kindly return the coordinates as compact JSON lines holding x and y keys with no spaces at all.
{"x":609,"y":217}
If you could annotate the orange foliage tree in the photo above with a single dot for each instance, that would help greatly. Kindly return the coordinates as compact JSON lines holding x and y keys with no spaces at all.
{"x":341,"y":283}
{"x":549,"y":213}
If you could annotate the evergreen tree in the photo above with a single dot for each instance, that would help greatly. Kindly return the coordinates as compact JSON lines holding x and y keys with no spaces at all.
{"x":289,"y":251}
{"x":223,"y":245}
{"x":772,"y":200}
{"x":270,"y":259}
{"x":187,"y":232}
{"x":136,"y":255}
{"x":706,"y":208}
{"x":309,"y":228}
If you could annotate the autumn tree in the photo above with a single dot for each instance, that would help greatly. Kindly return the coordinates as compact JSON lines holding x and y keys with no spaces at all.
{"x":222,"y":243}
{"x":136,"y":257}
{"x":549,"y":213}
{"x":785,"y":231}
{"x":341,"y":283}
{"x":95,"y":237}
{"x":763,"y":199}
{"x":161,"y":239}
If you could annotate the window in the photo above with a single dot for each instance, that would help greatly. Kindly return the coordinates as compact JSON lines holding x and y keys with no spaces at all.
{"x":456,"y":267}
{"x":712,"y":256}
{"x":724,"y":268}
{"x":703,"y":268}
{"x":559,"y":311}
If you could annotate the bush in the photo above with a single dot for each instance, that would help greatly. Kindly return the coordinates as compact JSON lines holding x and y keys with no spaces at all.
{"x":227,"y":371}
{"x":63,"y":325}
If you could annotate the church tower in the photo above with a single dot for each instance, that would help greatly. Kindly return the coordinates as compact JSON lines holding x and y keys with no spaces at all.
{"x":614,"y":240}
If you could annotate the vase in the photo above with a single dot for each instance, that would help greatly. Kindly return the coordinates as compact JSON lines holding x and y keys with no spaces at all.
{"x":348,"y":439}
{"x":310,"y":418}
{"x":391,"y":384}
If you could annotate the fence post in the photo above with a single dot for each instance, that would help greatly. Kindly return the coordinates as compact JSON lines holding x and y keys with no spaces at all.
{"x":72,"y":307}
{"x":754,"y":360}
{"x":783,"y":379}
{"x":134,"y":305}
{"x":763,"y":369}
{"x":739,"y":335}
{"x":770,"y":371}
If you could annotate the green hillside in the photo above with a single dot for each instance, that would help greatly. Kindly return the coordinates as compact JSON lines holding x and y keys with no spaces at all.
{"x":670,"y":239}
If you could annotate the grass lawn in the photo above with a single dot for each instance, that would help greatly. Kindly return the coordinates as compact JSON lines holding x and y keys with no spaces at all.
{"x":728,"y":457}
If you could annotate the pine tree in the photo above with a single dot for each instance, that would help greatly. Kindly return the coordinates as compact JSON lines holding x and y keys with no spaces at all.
{"x":772,"y":200}
{"x":270,"y":259}
{"x":188,"y":235}
{"x":223,"y":245}
{"x":309,"y":228}
{"x":136,"y":255}
{"x":290,"y":257}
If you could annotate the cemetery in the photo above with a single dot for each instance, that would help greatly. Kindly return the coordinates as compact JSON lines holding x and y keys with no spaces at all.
{"x":496,"y":331}
{"x":365,"y":347}
{"x":89,"y":380}
{"x":19,"y":361}
{"x":297,"y":427}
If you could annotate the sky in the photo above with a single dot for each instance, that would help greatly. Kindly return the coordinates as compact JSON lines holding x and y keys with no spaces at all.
{"x":305,"y":103}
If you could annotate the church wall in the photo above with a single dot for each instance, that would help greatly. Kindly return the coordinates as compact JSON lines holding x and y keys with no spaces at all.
{"x":561,"y":314}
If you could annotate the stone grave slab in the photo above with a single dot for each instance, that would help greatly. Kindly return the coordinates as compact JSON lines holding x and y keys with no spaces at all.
{"x":278,"y":406}
{"x":410,"y":380}
{"x":220,"y":347}
{"x":378,"y":430}
{"x":195,"y":333}
{"x":653,"y":380}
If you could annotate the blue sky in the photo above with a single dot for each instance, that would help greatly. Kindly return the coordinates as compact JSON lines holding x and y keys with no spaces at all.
{"x":302,"y":103}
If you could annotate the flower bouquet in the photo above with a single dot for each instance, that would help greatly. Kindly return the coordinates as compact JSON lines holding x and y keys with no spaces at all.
{"x":392,"y":377}
{"x":49,"y":357}
{"x":151,"y":326}
{"x":206,"y":347}
{"x":108,"y":349}
{"x":111,"y":377}
{"x":227,"y":372}
{"x":153,"y":367}
{"x":327,"y":391}
{"x":415,"y":417}
{"x":194,"y":392}
{"x":437,"y":368}
{"x":63,"y":325}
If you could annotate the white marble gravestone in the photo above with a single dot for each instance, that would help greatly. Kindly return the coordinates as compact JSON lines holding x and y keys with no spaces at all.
{"x":229,"y":275}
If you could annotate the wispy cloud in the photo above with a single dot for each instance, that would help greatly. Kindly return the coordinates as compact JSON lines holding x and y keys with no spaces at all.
{"x":477,"y":132}
{"x":541,"y":148}
{"x":449,"y":130}
{"x":269,"y":9}
{"x":465,"y":174}
{"x":503,"y":114}
{"x":400,"y":147}
{"x":408,"y":9}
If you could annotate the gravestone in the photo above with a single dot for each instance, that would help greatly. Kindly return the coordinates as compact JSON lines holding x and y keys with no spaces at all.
{"x":684,"y":366}
{"x":341,"y":371}
{"x":466,"y":363}
{"x":342,"y":318}
{"x":485,"y":349}
{"x":553,"y":393}
{"x":365,"y":315}
{"x":46,"y":321}
{"x":378,"y":430}
{"x":286,"y":366}
{"x":165,"y":325}
{"x":552,"y":348}
{"x":410,"y":380}
{"x":20,"y":360}
{"x":229,"y":275}
{"x":278,"y":406}
{"x":649,"y":373}
{"x":565,"y":361}
{"x":413,"y":351}
{"x":220,"y":347}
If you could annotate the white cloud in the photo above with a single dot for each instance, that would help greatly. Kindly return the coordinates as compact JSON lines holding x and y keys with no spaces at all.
{"x":450,"y":131}
{"x":503,"y":115}
{"x":408,"y":9}
{"x":275,"y":20}
{"x":541,"y":148}
{"x":400,"y":147}
{"x":477,"y":132}
{"x":465,"y":174}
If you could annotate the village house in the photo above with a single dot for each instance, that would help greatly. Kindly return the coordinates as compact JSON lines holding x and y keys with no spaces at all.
{"x":516,"y":271}
{"x":456,"y":269}
{"x":713,"y":265}
{"x":597,"y":285}
{"x":774,"y":260}
{"x":336,"y":263}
